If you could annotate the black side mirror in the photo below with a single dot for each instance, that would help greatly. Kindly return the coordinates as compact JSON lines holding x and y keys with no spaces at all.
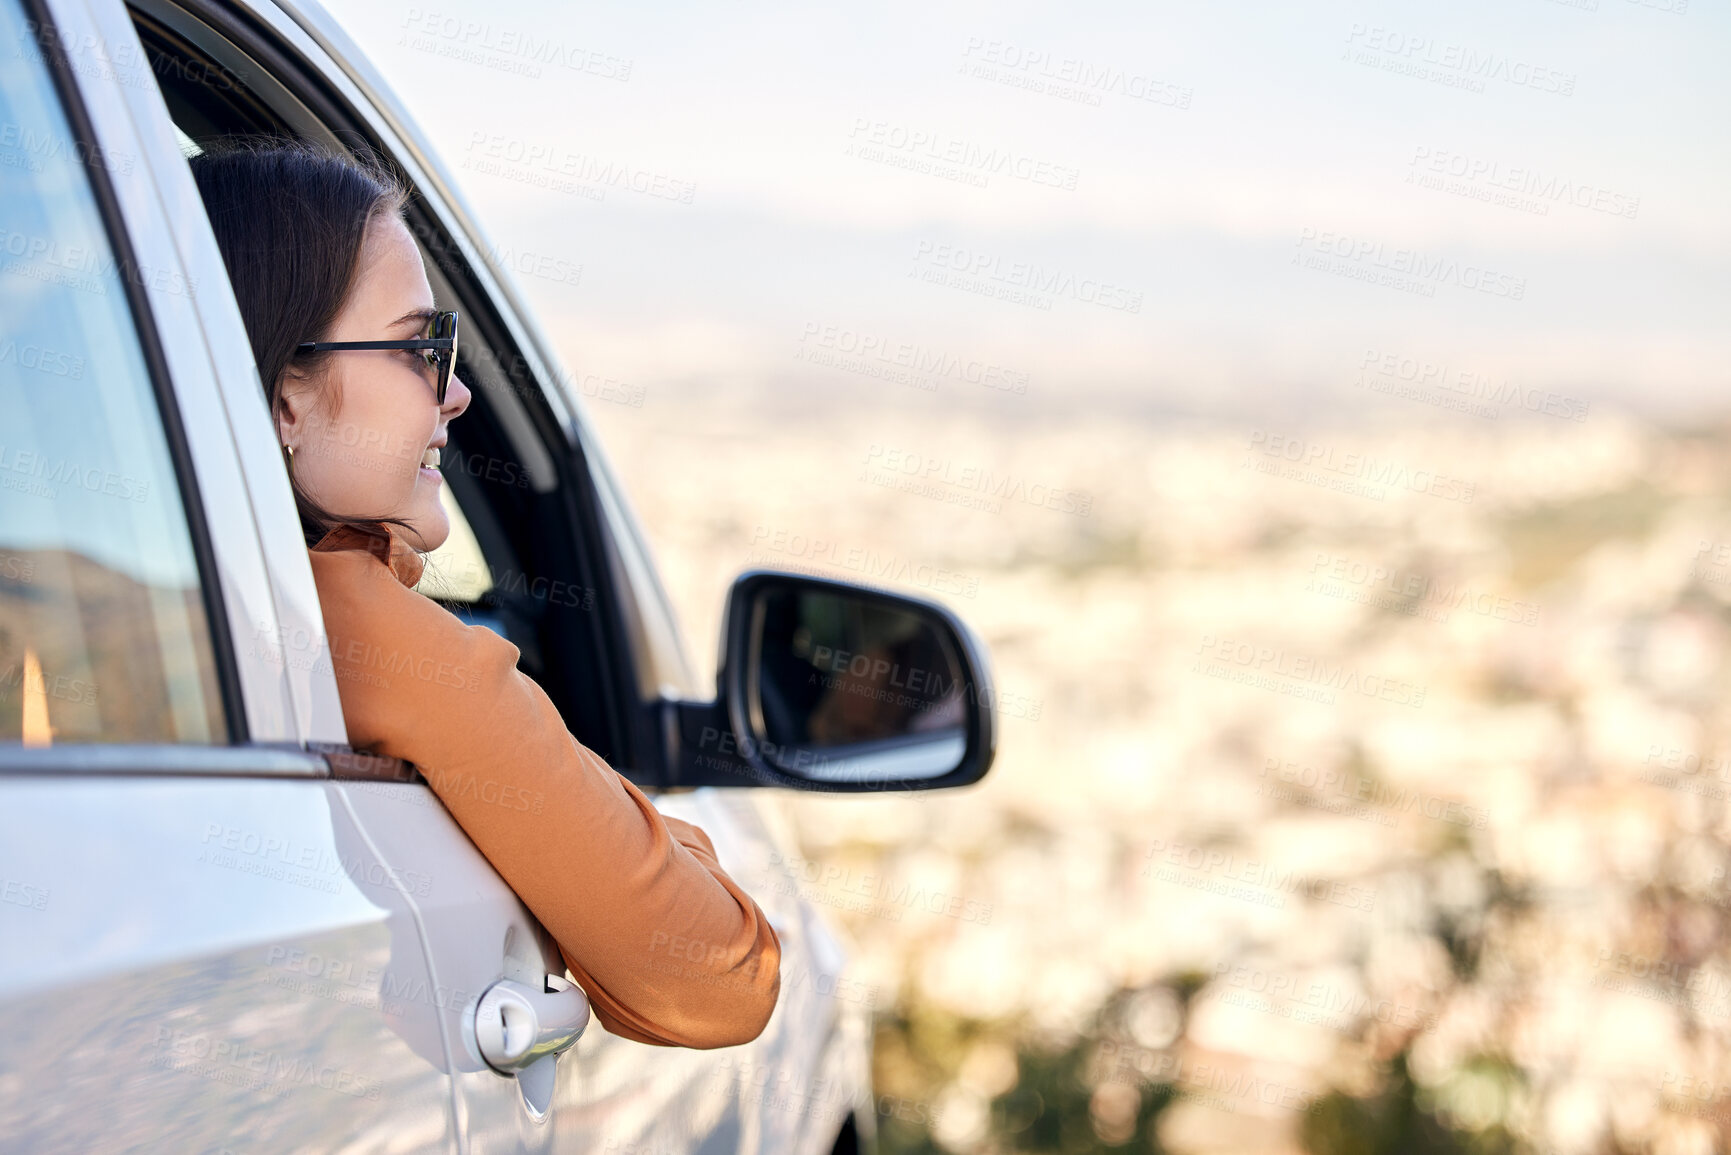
{"x":830,"y":686}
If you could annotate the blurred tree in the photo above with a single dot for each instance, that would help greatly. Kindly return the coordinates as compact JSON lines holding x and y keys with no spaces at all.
{"x":1396,"y":1122}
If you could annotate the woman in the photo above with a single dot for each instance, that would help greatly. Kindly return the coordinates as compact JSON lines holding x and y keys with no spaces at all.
{"x":319,"y":256}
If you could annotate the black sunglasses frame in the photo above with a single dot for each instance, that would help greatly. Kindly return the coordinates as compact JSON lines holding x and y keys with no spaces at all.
{"x":441,"y":341}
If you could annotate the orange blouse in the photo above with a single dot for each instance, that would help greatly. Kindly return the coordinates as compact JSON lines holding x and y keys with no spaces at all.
{"x":668,"y":948}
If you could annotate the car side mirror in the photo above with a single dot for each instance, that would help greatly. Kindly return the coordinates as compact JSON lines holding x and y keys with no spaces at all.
{"x":825,"y":685}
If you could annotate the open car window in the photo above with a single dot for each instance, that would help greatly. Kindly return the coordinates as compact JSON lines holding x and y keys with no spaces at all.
{"x":522,"y":559}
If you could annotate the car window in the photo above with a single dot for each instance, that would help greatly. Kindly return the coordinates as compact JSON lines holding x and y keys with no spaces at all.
{"x":104,"y":635}
{"x":457,"y":571}
{"x":525,"y":557}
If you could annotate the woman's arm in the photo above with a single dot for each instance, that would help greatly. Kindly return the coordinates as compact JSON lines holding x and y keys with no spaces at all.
{"x":669,"y":949}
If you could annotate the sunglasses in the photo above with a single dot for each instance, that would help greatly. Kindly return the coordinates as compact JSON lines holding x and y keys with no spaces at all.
{"x":439,"y":347}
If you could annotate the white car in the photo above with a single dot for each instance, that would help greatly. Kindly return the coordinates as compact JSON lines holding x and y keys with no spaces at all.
{"x":222,"y":929}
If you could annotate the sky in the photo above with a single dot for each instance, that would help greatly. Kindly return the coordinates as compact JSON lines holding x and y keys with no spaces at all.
{"x":1190,"y":208}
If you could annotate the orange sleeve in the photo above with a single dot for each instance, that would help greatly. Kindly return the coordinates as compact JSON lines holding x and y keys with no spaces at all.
{"x":668,"y":948}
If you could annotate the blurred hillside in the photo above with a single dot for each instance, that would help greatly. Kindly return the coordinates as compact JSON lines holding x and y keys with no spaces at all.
{"x":1363,"y":796}
{"x":120,"y":660}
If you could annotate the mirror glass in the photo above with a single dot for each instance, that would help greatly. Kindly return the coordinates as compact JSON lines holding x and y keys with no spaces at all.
{"x":846,"y":687}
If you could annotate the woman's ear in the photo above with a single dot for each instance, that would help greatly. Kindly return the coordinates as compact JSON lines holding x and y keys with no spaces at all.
{"x":295,"y":395}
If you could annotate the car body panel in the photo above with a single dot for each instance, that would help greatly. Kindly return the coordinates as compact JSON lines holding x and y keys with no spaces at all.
{"x":477,"y":932}
{"x":207,"y":958}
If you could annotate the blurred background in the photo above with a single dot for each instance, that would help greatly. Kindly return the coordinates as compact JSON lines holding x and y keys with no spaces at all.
{"x":1321,"y":412}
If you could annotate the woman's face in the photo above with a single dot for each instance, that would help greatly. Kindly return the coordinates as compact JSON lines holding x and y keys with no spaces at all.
{"x":366,"y":435}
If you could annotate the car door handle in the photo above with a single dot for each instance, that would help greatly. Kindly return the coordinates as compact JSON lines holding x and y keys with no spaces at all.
{"x":516,"y":1025}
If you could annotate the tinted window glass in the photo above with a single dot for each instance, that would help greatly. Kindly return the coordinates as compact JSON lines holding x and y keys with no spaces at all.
{"x":103,"y":634}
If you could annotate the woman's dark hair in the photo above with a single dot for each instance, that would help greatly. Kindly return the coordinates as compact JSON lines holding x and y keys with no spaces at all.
{"x":291,"y":218}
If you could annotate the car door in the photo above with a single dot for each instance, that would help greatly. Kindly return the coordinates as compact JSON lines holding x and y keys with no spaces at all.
{"x":200,"y":946}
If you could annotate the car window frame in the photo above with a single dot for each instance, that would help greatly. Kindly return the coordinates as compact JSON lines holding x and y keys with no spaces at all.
{"x":279,"y":55}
